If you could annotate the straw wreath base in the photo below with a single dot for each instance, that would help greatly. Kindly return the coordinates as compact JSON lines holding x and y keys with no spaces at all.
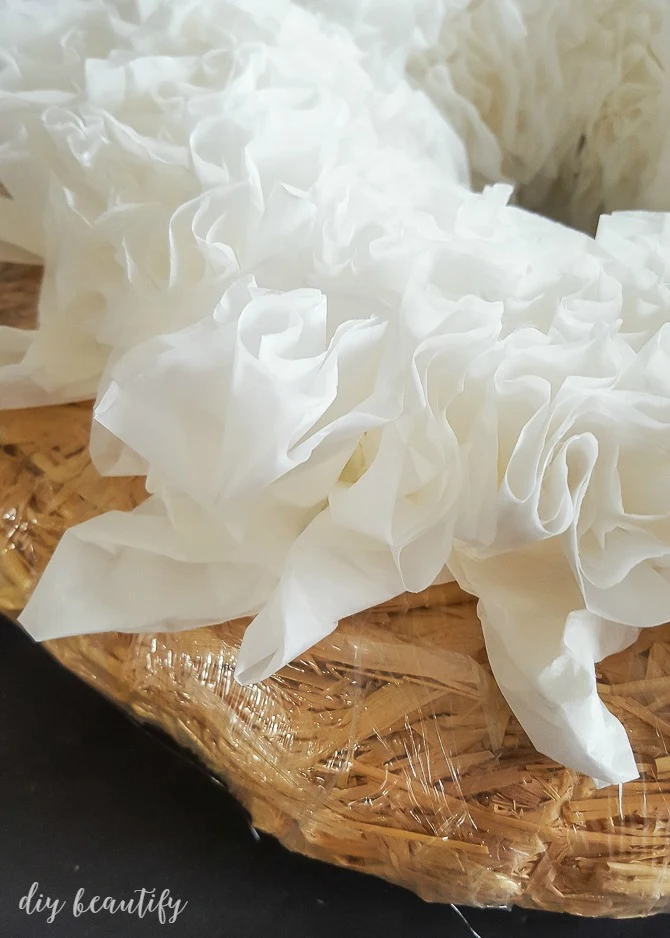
{"x":387,"y":748}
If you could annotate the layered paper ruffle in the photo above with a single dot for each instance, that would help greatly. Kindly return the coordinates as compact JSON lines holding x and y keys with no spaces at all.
{"x":343,"y":372}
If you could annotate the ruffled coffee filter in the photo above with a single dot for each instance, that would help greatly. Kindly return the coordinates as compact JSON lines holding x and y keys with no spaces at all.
{"x":279,"y":250}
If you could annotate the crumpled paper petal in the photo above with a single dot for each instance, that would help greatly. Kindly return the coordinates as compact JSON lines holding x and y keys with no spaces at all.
{"x":529,"y":600}
{"x":154,"y":569}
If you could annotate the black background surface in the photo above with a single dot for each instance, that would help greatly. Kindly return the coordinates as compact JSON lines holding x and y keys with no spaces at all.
{"x":89,"y":799}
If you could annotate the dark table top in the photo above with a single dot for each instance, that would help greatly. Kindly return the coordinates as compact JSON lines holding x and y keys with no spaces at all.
{"x":90,"y":800}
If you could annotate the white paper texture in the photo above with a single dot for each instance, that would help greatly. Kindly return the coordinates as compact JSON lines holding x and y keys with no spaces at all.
{"x":339,"y":367}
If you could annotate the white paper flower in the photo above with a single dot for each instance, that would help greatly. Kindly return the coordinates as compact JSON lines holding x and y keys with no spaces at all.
{"x":344,"y":373}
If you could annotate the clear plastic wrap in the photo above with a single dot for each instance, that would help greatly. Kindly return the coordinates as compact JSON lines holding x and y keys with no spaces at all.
{"x":388,"y":747}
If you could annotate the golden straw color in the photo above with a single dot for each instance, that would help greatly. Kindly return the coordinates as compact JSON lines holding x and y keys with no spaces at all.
{"x":387,"y":748}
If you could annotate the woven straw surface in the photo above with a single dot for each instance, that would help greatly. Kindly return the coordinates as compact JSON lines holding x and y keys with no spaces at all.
{"x":387,"y":748}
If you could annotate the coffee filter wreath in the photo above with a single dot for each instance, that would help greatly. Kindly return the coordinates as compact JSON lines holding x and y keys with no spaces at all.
{"x":341,"y":378}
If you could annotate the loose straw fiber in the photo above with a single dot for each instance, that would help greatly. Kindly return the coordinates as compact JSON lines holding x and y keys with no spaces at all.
{"x":387,"y":748}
